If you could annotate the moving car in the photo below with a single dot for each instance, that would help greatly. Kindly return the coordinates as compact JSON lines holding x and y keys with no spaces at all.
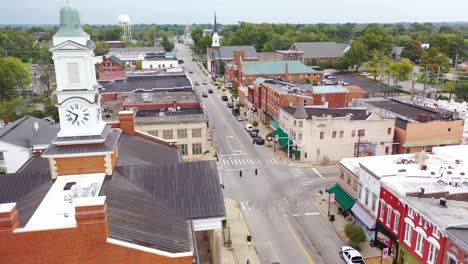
{"x":204,"y":82}
{"x":240,"y":118}
{"x":351,"y":256}
{"x":224,"y":98}
{"x":190,"y":71}
{"x":248,"y":127}
{"x":210,"y":90}
{"x":204,"y":94}
{"x":230,"y":105}
{"x":259,"y":141}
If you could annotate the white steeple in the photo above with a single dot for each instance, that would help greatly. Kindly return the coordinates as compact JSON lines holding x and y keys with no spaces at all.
{"x":215,"y":38}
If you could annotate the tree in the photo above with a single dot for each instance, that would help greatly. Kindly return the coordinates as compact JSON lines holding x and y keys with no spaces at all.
{"x":138,"y":65}
{"x":16,"y":108}
{"x":14,"y":75}
{"x":222,"y":68}
{"x":255,"y":123}
{"x":340,"y":64}
{"x":46,"y":72}
{"x":167,"y":44}
{"x":373,"y":66}
{"x":412,"y":50}
{"x":401,"y":70}
{"x":434,"y":63}
{"x":355,"y":233}
{"x":461,"y":87}
{"x":357,"y":54}
{"x":101,"y":49}
{"x":449,"y":88}
{"x":50,"y":109}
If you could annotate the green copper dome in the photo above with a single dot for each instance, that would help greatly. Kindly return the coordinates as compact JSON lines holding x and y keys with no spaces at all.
{"x":70,"y":25}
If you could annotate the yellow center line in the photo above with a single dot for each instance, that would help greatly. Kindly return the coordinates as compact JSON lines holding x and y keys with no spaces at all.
{"x":298,"y":240}
{"x":228,"y":125}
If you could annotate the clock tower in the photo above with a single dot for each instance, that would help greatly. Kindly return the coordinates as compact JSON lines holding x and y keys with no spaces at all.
{"x":77,"y":89}
{"x":84,"y":144}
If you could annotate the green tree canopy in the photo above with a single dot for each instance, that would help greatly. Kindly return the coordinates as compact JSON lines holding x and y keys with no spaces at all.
{"x":13,"y":75}
{"x":412,"y":50}
{"x":355,"y":233}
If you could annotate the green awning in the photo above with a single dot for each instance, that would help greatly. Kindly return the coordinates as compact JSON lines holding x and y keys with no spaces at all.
{"x":432,"y":143}
{"x":342,"y":197}
{"x":296,"y":152}
{"x":274,"y":124}
{"x":283,"y":138}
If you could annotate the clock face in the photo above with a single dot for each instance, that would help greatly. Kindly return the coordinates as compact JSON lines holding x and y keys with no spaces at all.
{"x":77,"y":114}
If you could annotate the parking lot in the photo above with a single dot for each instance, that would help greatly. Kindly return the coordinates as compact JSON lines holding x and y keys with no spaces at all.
{"x":372,"y":88}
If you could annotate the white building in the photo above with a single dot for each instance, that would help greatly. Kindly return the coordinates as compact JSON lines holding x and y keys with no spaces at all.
{"x":322,"y":135}
{"x":160,"y":63}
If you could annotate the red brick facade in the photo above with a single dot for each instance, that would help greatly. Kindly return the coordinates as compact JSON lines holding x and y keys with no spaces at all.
{"x":108,"y":65}
{"x":455,"y":252}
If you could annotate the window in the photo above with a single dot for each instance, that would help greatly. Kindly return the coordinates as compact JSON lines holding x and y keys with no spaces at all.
{"x":300,"y":123}
{"x":419,"y":244}
{"x":342,"y":175}
{"x":408,"y":233}
{"x":299,"y":136}
{"x":196,"y":132}
{"x":389,"y":216}
{"x":183,"y":149}
{"x":436,"y":232}
{"x":322,"y":135}
{"x":432,"y":255}
{"x":1,"y":156}
{"x":73,"y":71}
{"x":181,"y":133}
{"x":374,"y":202}
{"x":153,"y":133}
{"x":341,"y":134}
{"x":167,"y":134}
{"x":387,"y":150}
{"x":294,"y":122}
{"x":359,"y":191}
{"x":348,"y":181}
{"x":355,"y":182}
{"x":382,"y":210}
{"x":323,"y":98}
{"x":389,"y":131}
{"x":196,"y":149}
{"x":361,"y":132}
{"x":334,"y":134}
{"x":353,"y":133}
{"x":452,"y":261}
{"x":396,"y":222}
{"x":410,"y":212}
{"x":366,"y":198}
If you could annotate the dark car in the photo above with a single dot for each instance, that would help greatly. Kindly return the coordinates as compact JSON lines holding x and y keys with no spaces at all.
{"x":235,"y":112}
{"x":204,"y":94}
{"x":253,"y":134}
{"x":224,"y":98}
{"x":259,"y":141}
{"x":230,"y":105}
{"x":210,"y":90}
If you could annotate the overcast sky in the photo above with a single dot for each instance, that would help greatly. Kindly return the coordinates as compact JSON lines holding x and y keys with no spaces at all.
{"x":229,"y":12}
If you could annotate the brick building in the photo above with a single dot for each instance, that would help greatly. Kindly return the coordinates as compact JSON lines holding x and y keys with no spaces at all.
{"x":102,"y":194}
{"x":417,"y":127}
{"x":110,"y":64}
{"x":244,"y":73}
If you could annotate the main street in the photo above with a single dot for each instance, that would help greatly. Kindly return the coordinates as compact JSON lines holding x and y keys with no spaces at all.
{"x":277,"y":203}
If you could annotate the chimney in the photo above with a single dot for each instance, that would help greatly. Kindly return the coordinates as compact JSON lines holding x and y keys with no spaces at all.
{"x":443,"y":202}
{"x":239,"y":57}
{"x":421,"y":193}
{"x":127,"y":121}
{"x":91,"y":211}
{"x":36,"y":126}
{"x":5,"y":120}
{"x":9,"y":218}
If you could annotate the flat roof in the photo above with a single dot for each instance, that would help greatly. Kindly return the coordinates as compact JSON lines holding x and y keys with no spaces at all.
{"x":412,"y":112}
{"x":151,"y":82}
{"x":356,"y":114}
{"x":184,"y":115}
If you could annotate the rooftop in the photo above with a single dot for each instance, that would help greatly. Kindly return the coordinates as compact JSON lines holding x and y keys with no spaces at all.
{"x":151,"y":82}
{"x":321,"y":49}
{"x":22,"y":132}
{"x":227,"y":52}
{"x":329,"y":89}
{"x":135,"y":50}
{"x":184,"y":115}
{"x":275,"y":67}
{"x":355,"y":114}
{"x":411,"y":112}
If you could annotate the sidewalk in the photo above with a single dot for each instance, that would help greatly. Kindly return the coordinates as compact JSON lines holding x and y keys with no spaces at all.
{"x":239,"y":251}
{"x":371,"y":255}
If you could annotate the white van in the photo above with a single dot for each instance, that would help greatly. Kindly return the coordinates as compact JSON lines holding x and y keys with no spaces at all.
{"x":248,"y":127}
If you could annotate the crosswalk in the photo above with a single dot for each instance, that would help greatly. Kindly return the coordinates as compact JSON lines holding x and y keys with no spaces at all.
{"x":245,"y":163}
{"x":301,"y":176}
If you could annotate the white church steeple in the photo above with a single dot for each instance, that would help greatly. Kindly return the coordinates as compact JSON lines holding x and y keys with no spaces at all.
{"x":215,"y":38}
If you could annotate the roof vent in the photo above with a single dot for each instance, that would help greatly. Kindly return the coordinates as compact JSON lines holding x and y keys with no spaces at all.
{"x":443,"y":202}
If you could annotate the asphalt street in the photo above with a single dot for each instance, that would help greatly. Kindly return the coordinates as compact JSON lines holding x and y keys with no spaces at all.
{"x":276,"y":204}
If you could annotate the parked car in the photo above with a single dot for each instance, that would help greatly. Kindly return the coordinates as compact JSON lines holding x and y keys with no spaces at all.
{"x":204,"y":82}
{"x":228,"y":85}
{"x":197,"y":83}
{"x":190,"y":71}
{"x":210,"y":90}
{"x":328,"y":82}
{"x":230,"y":105}
{"x":259,"y":141}
{"x":253,"y":134}
{"x":351,"y":255}
{"x":364,"y":73}
{"x":240,"y":118}
{"x":235,"y":112}
{"x":224,"y":98}
{"x":204,"y":94}
{"x":248,"y":127}
{"x":330,"y":77}
{"x":343,"y":83}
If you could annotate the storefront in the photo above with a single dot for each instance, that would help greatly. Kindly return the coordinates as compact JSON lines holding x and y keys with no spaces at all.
{"x":385,"y":239}
{"x":341,"y":197}
{"x":364,"y":219}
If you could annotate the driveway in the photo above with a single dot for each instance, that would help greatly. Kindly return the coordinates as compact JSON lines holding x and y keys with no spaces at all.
{"x":372,"y":88}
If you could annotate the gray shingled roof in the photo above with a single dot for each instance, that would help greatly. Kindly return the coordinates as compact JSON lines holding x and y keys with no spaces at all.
{"x":115,"y":59}
{"x":300,"y":112}
{"x":321,"y":49}
{"x":21,"y":132}
{"x":45,"y":135}
{"x":227,"y":52}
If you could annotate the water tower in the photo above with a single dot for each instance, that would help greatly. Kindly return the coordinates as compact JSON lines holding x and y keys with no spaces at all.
{"x":124,"y":22}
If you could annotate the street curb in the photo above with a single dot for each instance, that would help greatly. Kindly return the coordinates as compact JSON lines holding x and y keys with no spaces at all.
{"x":326,"y":218}
{"x":248,"y":233}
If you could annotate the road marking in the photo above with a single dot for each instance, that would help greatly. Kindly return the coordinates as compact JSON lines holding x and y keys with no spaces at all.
{"x":314,"y":213}
{"x":243,"y":206}
{"x":298,"y":241}
{"x":271,"y":247}
{"x":285,"y":200}
{"x":318,"y":173}
{"x":296,"y":214}
{"x":308,"y":183}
